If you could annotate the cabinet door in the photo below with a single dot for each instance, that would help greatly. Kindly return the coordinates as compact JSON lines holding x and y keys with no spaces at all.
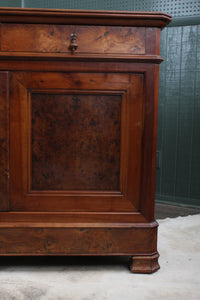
{"x":75,"y":141}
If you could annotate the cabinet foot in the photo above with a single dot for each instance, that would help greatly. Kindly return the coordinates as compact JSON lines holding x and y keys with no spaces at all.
{"x":144,"y":263}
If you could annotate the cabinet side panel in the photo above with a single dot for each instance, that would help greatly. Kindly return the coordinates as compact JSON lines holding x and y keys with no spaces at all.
{"x":149,"y":143}
{"x":4,"y":142}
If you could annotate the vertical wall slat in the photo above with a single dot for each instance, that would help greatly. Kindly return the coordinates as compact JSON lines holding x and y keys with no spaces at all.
{"x":171,"y":111}
{"x":187,"y":78}
{"x":161,"y":105}
{"x":180,"y":150}
{"x":194,"y":191}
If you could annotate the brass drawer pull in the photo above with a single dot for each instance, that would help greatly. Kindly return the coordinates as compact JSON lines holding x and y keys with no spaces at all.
{"x":73,"y":46}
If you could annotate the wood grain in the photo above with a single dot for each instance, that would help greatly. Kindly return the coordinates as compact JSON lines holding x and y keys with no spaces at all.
{"x":75,"y":218}
{"x":144,"y":263}
{"x":87,"y":240}
{"x":82,"y":131}
{"x":88,"y":17}
{"x":4,"y":143}
{"x":75,"y":142}
{"x":57,"y":38}
{"x":127,"y":129}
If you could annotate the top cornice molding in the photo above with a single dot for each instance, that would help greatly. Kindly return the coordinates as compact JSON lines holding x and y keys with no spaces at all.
{"x":88,"y":17}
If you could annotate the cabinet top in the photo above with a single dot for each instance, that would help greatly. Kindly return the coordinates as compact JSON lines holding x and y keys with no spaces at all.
{"x":89,"y":17}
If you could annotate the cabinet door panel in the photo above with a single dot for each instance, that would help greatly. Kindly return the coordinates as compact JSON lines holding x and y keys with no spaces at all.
{"x":76,"y":141}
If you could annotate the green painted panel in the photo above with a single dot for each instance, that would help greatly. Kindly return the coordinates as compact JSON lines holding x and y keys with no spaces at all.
{"x":174,"y":7}
{"x":161,"y":110}
{"x":179,"y":177}
{"x":198,"y":48}
{"x":186,"y":109}
{"x":70,"y":4}
{"x":170,"y":91}
{"x":185,"y":21}
{"x":10,"y":3}
{"x":194,"y":191}
{"x":185,"y":125}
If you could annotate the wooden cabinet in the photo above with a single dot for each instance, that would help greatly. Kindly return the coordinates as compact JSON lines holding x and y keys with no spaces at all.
{"x":78,"y":108}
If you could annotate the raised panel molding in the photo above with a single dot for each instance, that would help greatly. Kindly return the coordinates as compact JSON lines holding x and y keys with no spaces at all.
{"x":28,"y":90}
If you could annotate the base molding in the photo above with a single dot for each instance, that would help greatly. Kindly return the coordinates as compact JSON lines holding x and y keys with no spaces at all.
{"x":138,"y":240}
{"x":144,"y":263}
{"x":85,"y":239}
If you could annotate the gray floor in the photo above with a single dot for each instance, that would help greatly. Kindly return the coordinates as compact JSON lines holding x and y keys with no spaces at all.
{"x":163,"y":211}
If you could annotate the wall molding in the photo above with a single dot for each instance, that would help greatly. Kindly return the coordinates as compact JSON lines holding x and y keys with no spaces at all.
{"x":184,"y":21}
{"x":180,"y":201}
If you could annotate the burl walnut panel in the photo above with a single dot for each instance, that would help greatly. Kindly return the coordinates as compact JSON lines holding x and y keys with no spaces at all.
{"x":57,"y":38}
{"x":75,"y":142}
{"x":62,"y":239}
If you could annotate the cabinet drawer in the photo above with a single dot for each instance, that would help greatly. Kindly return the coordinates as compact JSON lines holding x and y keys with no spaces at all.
{"x":57,"y":39}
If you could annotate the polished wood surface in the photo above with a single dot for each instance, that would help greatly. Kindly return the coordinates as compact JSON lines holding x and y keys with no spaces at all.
{"x":126,"y":92}
{"x":57,"y":38}
{"x":88,"y":17}
{"x":4,"y":142}
{"x":144,"y":264}
{"x":56,"y":239}
{"x":83,"y":131}
{"x":79,"y":100}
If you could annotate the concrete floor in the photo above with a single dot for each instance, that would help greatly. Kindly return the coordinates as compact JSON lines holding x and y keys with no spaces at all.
{"x":163,"y":211}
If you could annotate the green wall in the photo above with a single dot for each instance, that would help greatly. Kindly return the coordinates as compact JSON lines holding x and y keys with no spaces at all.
{"x":178,"y":176}
{"x":178,"y":156}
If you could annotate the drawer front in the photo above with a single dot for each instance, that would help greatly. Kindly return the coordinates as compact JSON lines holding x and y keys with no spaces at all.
{"x":57,"y":39}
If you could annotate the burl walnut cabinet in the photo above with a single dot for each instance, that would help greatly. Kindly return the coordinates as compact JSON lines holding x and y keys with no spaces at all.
{"x":78,"y":126}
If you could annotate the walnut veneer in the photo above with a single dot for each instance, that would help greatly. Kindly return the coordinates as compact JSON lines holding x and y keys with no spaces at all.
{"x":78,"y":120}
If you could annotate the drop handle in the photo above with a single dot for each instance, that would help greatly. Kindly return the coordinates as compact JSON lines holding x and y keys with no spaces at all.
{"x":73,"y":46}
